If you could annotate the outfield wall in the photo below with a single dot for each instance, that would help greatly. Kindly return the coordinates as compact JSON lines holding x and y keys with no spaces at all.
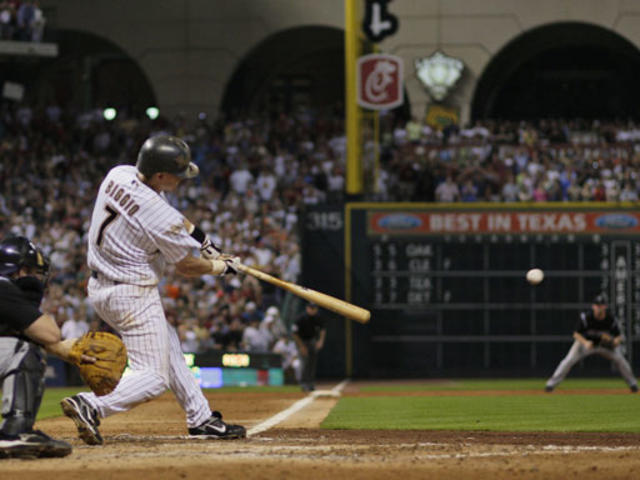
{"x":446,"y":286}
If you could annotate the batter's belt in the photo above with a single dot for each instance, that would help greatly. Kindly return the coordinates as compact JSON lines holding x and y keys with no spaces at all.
{"x":102,"y":278}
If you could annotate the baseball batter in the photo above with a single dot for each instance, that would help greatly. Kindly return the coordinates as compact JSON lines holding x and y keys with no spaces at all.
{"x":134,"y":233}
{"x":597,"y":332}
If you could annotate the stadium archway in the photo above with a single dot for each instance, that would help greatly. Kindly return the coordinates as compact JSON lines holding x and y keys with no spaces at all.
{"x":89,"y":72}
{"x":561,"y":70}
{"x":297,"y":67}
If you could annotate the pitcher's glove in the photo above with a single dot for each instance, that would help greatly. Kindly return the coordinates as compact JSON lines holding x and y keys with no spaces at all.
{"x":110,"y":354}
{"x":606,"y":341}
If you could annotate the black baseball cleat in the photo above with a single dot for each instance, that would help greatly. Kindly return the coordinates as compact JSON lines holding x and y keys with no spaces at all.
{"x":85,"y":417}
{"x":548,"y":389}
{"x":634,"y":388}
{"x":34,"y":444}
{"x":214,"y":428}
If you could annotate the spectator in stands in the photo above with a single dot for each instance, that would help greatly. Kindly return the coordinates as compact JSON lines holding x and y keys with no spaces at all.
{"x":38,"y":23}
{"x":24,"y":20}
{"x":256,"y":338}
{"x":241,"y":179}
{"x":75,"y":325}
{"x":7,"y":21}
{"x":469,"y":192}
{"x":447,"y":191}
{"x":274,"y":323}
{"x":291,"y":364}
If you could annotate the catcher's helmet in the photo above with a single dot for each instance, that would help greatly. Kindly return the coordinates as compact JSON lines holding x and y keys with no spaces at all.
{"x":18,"y":252}
{"x":168,"y":154}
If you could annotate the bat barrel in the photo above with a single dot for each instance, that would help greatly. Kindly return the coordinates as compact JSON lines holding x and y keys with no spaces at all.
{"x":323,"y":300}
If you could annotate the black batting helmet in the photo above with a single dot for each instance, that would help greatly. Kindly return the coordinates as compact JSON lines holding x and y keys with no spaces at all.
{"x":168,"y":154}
{"x":18,"y":252}
{"x":600,"y":299}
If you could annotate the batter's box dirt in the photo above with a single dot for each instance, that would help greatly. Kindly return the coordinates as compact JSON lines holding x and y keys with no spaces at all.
{"x":150,"y":442}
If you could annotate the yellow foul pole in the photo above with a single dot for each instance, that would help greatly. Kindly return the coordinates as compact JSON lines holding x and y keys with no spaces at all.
{"x":354,"y":161}
{"x":352,"y":111}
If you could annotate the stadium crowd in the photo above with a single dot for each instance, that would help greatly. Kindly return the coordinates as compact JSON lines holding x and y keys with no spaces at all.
{"x":543,"y":161}
{"x":259,"y":174}
{"x":21,"y":20}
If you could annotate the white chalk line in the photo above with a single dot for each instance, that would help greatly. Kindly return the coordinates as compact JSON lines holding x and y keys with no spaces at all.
{"x":296,"y":407}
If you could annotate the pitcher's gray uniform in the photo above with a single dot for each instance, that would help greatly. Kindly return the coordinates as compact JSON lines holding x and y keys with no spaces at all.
{"x":588,"y":336}
{"x":134,"y":232}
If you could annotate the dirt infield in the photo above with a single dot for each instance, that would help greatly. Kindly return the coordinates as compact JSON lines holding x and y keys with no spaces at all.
{"x":150,"y":442}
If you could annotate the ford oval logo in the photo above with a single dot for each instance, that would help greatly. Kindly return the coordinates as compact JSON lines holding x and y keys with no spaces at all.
{"x":399,"y":221}
{"x":616,"y":221}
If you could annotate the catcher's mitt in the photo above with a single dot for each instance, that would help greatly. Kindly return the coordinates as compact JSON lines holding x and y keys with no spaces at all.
{"x":606,"y":341}
{"x":111,"y":359}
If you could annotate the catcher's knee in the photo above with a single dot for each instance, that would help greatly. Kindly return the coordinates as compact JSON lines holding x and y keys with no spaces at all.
{"x":22,"y":390}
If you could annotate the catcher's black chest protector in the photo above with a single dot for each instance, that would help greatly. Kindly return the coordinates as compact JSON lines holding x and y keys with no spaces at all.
{"x":18,"y":308}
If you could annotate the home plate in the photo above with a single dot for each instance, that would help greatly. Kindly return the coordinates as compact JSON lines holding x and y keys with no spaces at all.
{"x":326,"y":393}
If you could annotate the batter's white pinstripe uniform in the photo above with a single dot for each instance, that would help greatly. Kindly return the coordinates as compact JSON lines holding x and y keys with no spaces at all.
{"x":133,"y":233}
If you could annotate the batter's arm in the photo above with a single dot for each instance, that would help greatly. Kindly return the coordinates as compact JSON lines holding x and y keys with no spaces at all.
{"x":191,"y":266}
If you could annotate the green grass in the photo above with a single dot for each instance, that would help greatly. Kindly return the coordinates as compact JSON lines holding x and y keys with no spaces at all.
{"x":500,"y":412}
{"x":498,"y":384}
{"x":546,"y":412}
{"x":50,"y":406}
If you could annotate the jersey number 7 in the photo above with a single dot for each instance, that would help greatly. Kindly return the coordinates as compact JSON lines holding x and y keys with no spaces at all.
{"x":111,"y":216}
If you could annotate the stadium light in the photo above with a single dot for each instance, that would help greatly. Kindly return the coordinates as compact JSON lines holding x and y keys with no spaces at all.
{"x":109,"y":113}
{"x":152,"y":112}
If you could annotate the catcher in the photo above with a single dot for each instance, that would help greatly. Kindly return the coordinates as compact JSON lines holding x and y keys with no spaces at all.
{"x":24,"y":331}
{"x":596,"y":332}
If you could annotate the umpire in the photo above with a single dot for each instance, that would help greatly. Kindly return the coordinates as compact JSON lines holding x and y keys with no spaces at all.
{"x":24,"y":330}
{"x":309,"y":332}
{"x":596,"y":332}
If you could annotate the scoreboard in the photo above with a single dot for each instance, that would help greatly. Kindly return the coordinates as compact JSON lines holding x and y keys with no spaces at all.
{"x":447,"y":290}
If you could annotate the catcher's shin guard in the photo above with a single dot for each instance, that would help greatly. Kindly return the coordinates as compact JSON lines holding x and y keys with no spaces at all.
{"x":22,"y":390}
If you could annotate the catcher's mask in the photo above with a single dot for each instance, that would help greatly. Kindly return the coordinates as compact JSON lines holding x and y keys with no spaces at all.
{"x":17,"y":252}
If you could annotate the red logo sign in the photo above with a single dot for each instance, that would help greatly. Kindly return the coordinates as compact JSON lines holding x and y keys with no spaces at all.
{"x":380,"y":81}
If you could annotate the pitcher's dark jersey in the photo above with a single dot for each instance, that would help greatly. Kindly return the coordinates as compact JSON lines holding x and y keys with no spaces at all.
{"x":591,"y":328}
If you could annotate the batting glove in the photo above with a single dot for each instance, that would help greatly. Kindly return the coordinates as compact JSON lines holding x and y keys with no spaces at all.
{"x":208,"y":249}
{"x":225,"y":264}
{"x":232,"y":263}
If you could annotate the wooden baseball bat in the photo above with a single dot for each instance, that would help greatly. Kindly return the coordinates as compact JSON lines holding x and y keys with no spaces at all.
{"x":323,"y":300}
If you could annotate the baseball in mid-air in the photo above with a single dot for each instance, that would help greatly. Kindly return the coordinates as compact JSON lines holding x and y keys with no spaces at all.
{"x":535,"y":276}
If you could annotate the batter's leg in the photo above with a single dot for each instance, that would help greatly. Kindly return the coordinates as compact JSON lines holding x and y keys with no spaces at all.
{"x":576,"y":352}
{"x":623,"y":366}
{"x":140,"y":320}
{"x":184,"y":385}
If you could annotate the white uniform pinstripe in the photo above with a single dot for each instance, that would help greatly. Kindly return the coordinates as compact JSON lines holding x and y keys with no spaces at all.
{"x":133,"y":232}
